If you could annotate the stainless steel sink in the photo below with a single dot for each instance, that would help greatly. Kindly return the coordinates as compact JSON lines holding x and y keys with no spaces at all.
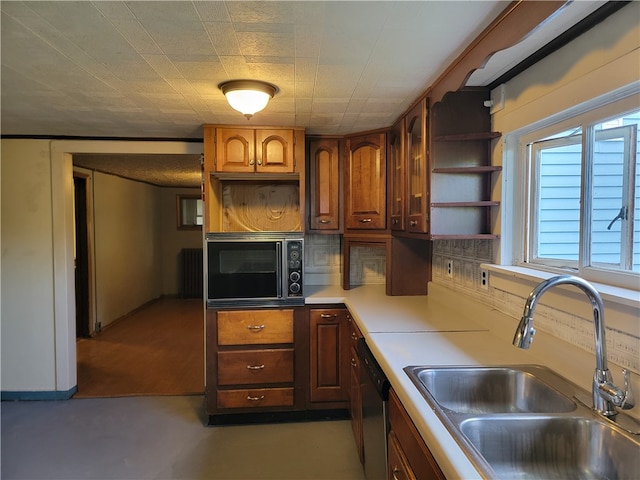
{"x":525,"y":421}
{"x":493,"y":390}
{"x":553,"y":448}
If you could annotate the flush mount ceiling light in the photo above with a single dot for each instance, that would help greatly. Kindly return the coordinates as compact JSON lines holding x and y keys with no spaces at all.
{"x":248,"y":96}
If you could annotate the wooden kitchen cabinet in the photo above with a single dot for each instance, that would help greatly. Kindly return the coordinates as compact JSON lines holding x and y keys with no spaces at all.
{"x":462,"y":176}
{"x":365,"y":182}
{"x":417,"y":212}
{"x":355,"y":388}
{"x":329,"y":355}
{"x":397,"y":177}
{"x":408,"y":456}
{"x":251,"y":361}
{"x":260,"y":150}
{"x":324,"y":185}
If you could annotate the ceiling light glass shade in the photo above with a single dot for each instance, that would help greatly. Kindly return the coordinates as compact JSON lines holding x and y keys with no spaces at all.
{"x":248,"y":96}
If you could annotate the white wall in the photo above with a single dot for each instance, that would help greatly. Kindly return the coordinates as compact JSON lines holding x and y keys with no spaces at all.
{"x":27,"y":324}
{"x":174,"y":240}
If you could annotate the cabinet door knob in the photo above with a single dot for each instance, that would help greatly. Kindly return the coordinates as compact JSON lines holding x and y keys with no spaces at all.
{"x":365,"y":220}
{"x":255,"y":328}
{"x":413,"y":223}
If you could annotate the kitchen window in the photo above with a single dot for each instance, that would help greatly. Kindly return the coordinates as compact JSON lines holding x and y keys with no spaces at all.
{"x":581,"y":197}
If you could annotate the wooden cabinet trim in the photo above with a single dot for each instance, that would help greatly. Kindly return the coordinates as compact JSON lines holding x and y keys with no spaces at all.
{"x":416,"y":451}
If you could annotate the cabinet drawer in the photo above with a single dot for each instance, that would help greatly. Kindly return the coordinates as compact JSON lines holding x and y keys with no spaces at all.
{"x":255,"y":327}
{"x":255,"y":398}
{"x":255,"y":366}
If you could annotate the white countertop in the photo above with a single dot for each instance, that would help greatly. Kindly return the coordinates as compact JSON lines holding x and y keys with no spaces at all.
{"x":445,"y":328}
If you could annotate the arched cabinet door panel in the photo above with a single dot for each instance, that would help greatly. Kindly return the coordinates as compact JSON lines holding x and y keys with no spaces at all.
{"x":365,"y":182}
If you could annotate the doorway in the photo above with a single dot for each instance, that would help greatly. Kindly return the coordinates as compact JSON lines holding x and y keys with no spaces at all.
{"x":81,"y":260}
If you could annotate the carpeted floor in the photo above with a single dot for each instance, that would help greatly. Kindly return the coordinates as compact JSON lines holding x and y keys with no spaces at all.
{"x":158,"y":350}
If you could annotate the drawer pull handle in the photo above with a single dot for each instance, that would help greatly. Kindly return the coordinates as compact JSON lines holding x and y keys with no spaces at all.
{"x":328,"y":315}
{"x":255,"y":399}
{"x":413,"y":223}
{"x":255,"y":328}
{"x":365,"y":220}
{"x":395,"y":471}
{"x":324,"y":222}
{"x":255,"y":367}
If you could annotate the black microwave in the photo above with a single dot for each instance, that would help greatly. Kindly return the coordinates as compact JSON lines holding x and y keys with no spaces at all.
{"x":254,"y":269}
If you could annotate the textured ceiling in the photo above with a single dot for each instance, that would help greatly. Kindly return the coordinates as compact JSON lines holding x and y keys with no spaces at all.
{"x":148,"y":69}
{"x":178,"y":171}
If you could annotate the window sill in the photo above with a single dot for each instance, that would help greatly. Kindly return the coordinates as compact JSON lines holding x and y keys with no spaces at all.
{"x":618,"y":295}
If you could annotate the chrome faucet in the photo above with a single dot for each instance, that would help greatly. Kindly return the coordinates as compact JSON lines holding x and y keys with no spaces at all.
{"x":606,"y":396}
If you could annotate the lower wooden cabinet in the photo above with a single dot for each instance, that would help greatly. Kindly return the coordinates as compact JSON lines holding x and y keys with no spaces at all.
{"x":397,"y":463}
{"x":254,"y":361}
{"x":408,"y":455}
{"x":329,"y":355}
{"x":355,"y":388}
{"x":291,"y":362}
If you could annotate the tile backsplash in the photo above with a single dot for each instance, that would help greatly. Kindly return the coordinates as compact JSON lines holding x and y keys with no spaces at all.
{"x":323,"y":266}
{"x":323,"y":262}
{"x":466,"y":256}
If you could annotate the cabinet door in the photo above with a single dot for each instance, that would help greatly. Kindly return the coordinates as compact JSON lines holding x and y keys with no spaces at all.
{"x":355,"y":390}
{"x":235,"y":150}
{"x":418,"y":458}
{"x":329,"y":350}
{"x":417,"y":192}
{"x":324,"y":192}
{"x":397,"y":463}
{"x":355,"y":404}
{"x":365,"y":182}
{"x":397,"y":174}
{"x":275,"y":151}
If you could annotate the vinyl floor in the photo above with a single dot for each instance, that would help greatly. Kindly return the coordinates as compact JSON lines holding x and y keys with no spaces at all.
{"x":165,"y":438}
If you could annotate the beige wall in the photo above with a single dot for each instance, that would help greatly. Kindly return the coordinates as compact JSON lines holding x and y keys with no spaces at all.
{"x":174,"y":240}
{"x":604,"y":59}
{"x":37,"y":292}
{"x":27,"y":266}
{"x":128,"y":246}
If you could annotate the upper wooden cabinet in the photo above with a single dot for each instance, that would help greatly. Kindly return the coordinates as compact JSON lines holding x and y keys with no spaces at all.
{"x":462,"y":175}
{"x":417,"y":167}
{"x":397,"y":178}
{"x":365,"y":182}
{"x":324,"y":185}
{"x":244,"y":150}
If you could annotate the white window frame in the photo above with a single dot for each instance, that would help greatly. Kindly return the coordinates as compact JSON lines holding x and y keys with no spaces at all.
{"x":514,"y":245}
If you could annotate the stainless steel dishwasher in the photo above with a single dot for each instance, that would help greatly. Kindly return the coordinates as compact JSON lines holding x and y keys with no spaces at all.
{"x":375,"y":396}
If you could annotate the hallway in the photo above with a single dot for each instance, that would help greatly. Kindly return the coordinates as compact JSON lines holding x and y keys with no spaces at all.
{"x":158,"y":350}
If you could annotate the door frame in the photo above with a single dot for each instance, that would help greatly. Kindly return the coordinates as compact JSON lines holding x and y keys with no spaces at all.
{"x":61,"y":157}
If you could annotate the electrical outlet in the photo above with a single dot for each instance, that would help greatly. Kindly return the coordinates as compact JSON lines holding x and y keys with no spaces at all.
{"x":484,"y":279}
{"x":450,"y":268}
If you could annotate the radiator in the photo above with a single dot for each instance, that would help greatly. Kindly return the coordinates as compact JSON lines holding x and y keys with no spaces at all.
{"x":191,"y":273}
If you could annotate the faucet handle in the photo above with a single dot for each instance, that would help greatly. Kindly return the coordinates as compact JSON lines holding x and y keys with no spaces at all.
{"x":628,"y":400}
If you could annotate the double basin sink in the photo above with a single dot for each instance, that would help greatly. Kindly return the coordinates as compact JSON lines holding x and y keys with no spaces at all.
{"x":527,"y":422}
